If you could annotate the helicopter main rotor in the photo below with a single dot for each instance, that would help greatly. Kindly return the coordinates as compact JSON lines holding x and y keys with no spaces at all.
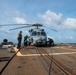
{"x":25,"y":26}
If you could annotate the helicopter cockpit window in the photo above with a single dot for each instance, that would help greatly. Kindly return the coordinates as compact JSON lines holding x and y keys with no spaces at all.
{"x":38,"y":33}
{"x":43,"y":33}
{"x":34,"y":33}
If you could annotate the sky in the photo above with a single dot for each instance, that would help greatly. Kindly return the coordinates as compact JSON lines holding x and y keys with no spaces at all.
{"x":57,"y":14}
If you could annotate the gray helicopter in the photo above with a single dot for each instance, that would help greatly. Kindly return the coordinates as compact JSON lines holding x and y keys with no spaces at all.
{"x":37,"y":36}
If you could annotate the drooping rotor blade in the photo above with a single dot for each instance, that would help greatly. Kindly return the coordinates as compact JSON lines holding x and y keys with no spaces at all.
{"x":20,"y":27}
{"x":51,"y":29}
{"x":13,"y":24}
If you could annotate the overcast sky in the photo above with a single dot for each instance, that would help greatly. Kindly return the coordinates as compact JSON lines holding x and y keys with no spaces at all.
{"x":56,"y":14}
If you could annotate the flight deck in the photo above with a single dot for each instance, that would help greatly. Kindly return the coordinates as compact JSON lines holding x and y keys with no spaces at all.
{"x":32,"y":60}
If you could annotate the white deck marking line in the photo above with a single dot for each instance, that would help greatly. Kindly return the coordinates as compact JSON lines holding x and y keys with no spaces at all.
{"x":19,"y":54}
{"x":66,"y":48}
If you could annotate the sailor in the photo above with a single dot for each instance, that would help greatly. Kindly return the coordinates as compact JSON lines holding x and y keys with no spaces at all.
{"x":25,"y":40}
{"x":51,"y":41}
{"x":19,"y":39}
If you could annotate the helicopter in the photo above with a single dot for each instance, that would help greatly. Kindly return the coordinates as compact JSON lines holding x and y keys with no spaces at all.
{"x":37,"y":36}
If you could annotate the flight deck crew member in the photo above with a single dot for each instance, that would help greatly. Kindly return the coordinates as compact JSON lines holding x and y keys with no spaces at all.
{"x":19,"y":39}
{"x":51,"y":41}
{"x":25,"y":40}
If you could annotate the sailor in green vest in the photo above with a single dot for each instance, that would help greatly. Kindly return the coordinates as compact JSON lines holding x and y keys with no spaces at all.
{"x":25,"y":40}
{"x":51,"y":42}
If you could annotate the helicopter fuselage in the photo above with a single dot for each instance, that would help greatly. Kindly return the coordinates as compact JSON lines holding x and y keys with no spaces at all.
{"x":38,"y":37}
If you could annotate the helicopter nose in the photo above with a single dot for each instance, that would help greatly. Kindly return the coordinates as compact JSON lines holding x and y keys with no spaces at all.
{"x":39,"y":40}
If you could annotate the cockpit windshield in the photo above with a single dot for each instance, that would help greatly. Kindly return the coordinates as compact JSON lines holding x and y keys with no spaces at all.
{"x":34,"y":33}
{"x":38,"y":33}
{"x":43,"y":33}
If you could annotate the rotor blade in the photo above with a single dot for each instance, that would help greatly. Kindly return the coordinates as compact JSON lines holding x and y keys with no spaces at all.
{"x":20,"y":27}
{"x":51,"y":29}
{"x":13,"y":24}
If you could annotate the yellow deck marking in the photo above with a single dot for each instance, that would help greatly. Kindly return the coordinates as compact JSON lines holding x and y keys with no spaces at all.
{"x":64,"y":53}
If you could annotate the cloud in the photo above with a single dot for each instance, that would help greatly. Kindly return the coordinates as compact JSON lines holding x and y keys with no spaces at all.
{"x":19,"y":20}
{"x":51,"y":18}
{"x":67,"y":37}
{"x":70,"y":37}
{"x":69,"y":23}
{"x":14,"y":14}
{"x":55,"y":20}
{"x":12,"y":17}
